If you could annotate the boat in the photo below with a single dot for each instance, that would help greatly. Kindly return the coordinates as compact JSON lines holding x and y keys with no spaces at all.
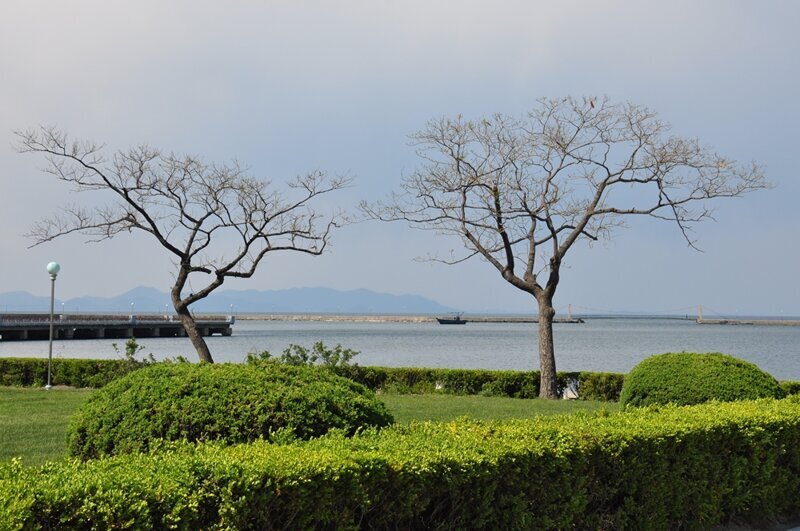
{"x":455,"y":319}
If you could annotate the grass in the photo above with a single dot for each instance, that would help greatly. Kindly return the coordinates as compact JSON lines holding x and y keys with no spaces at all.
{"x":33,"y":422}
{"x":441,"y":407}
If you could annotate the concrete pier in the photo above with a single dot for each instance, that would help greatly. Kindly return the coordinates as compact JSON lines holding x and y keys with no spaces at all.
{"x":32,"y":327}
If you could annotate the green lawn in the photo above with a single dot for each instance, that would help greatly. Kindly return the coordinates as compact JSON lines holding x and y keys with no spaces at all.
{"x":406,"y":408}
{"x":33,"y":422}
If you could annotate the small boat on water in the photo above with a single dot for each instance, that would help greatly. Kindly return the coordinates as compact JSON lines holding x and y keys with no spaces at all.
{"x":454,"y":319}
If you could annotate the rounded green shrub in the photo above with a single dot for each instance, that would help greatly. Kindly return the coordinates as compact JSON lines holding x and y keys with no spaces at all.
{"x":688,"y":378}
{"x":790,"y":388}
{"x":222,"y":402}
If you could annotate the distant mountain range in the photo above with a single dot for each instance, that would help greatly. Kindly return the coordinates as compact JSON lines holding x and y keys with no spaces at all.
{"x":295,"y":300}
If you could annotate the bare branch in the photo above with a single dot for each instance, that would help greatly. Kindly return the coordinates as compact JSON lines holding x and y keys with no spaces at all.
{"x":519,"y":192}
{"x":215,"y":219}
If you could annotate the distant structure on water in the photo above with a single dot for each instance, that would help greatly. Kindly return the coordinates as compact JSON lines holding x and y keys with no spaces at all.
{"x":455,"y":319}
{"x":26,"y":327}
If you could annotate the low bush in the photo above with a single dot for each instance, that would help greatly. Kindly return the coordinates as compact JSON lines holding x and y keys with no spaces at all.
{"x":513,"y":384}
{"x":224,"y":402}
{"x":668,"y":468}
{"x":29,"y":372}
{"x":32,"y":372}
{"x":318,"y":354}
{"x":519,"y":384}
{"x":688,"y":378}
{"x":516,"y":384}
{"x":790,"y":388}
{"x":605,"y":386}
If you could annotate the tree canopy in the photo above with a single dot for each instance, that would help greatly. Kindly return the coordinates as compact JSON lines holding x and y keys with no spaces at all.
{"x":216,"y":221}
{"x":520,"y":192}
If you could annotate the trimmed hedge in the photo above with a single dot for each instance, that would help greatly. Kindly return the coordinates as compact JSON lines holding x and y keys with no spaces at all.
{"x":516,"y":384}
{"x":65,"y":371}
{"x":605,"y":386}
{"x":455,"y":381}
{"x":790,"y":388}
{"x":686,"y":378}
{"x":674,"y":467}
{"x":232,"y":403}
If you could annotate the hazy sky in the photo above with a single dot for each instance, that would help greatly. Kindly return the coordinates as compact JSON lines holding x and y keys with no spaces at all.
{"x":287,"y":87}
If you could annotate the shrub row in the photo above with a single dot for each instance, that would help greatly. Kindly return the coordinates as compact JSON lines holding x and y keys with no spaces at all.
{"x":519,"y":384}
{"x":668,"y":468}
{"x":72,"y":372}
{"x":515,"y":384}
{"x":790,"y":388}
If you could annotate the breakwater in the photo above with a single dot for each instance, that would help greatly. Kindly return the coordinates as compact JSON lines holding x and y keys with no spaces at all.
{"x":750,"y":322}
{"x":331,"y":318}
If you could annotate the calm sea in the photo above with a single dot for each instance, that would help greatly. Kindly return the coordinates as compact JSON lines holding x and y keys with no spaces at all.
{"x":613,"y":345}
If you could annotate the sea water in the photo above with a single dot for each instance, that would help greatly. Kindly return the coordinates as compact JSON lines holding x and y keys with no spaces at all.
{"x":611,"y":345}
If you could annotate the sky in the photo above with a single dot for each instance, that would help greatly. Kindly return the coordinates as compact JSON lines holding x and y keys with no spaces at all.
{"x":289,"y":87}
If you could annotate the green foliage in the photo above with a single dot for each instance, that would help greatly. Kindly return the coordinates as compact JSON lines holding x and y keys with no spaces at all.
{"x":224,"y":402}
{"x":299,"y":355}
{"x":33,"y":421}
{"x":515,"y":384}
{"x":669,"y":468}
{"x":450,"y":381}
{"x":402,"y":380}
{"x":132,"y":349}
{"x":687,"y":378}
{"x":512,"y":384}
{"x":604,"y":386}
{"x":72,"y":372}
{"x":790,"y":388}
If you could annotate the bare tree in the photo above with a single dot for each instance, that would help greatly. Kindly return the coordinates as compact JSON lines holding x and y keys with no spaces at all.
{"x":216,"y":221}
{"x":520,"y":193}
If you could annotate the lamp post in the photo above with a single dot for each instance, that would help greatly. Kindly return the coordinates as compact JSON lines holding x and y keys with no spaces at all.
{"x":52,"y":268}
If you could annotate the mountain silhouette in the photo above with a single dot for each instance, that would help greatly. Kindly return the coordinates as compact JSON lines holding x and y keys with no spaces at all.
{"x":294,"y":300}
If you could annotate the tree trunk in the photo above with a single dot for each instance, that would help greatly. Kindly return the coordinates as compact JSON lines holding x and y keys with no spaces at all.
{"x":548,"y":387}
{"x":194,"y":334}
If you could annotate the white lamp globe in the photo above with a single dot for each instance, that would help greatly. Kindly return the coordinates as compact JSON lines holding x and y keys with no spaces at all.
{"x":53,"y":268}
